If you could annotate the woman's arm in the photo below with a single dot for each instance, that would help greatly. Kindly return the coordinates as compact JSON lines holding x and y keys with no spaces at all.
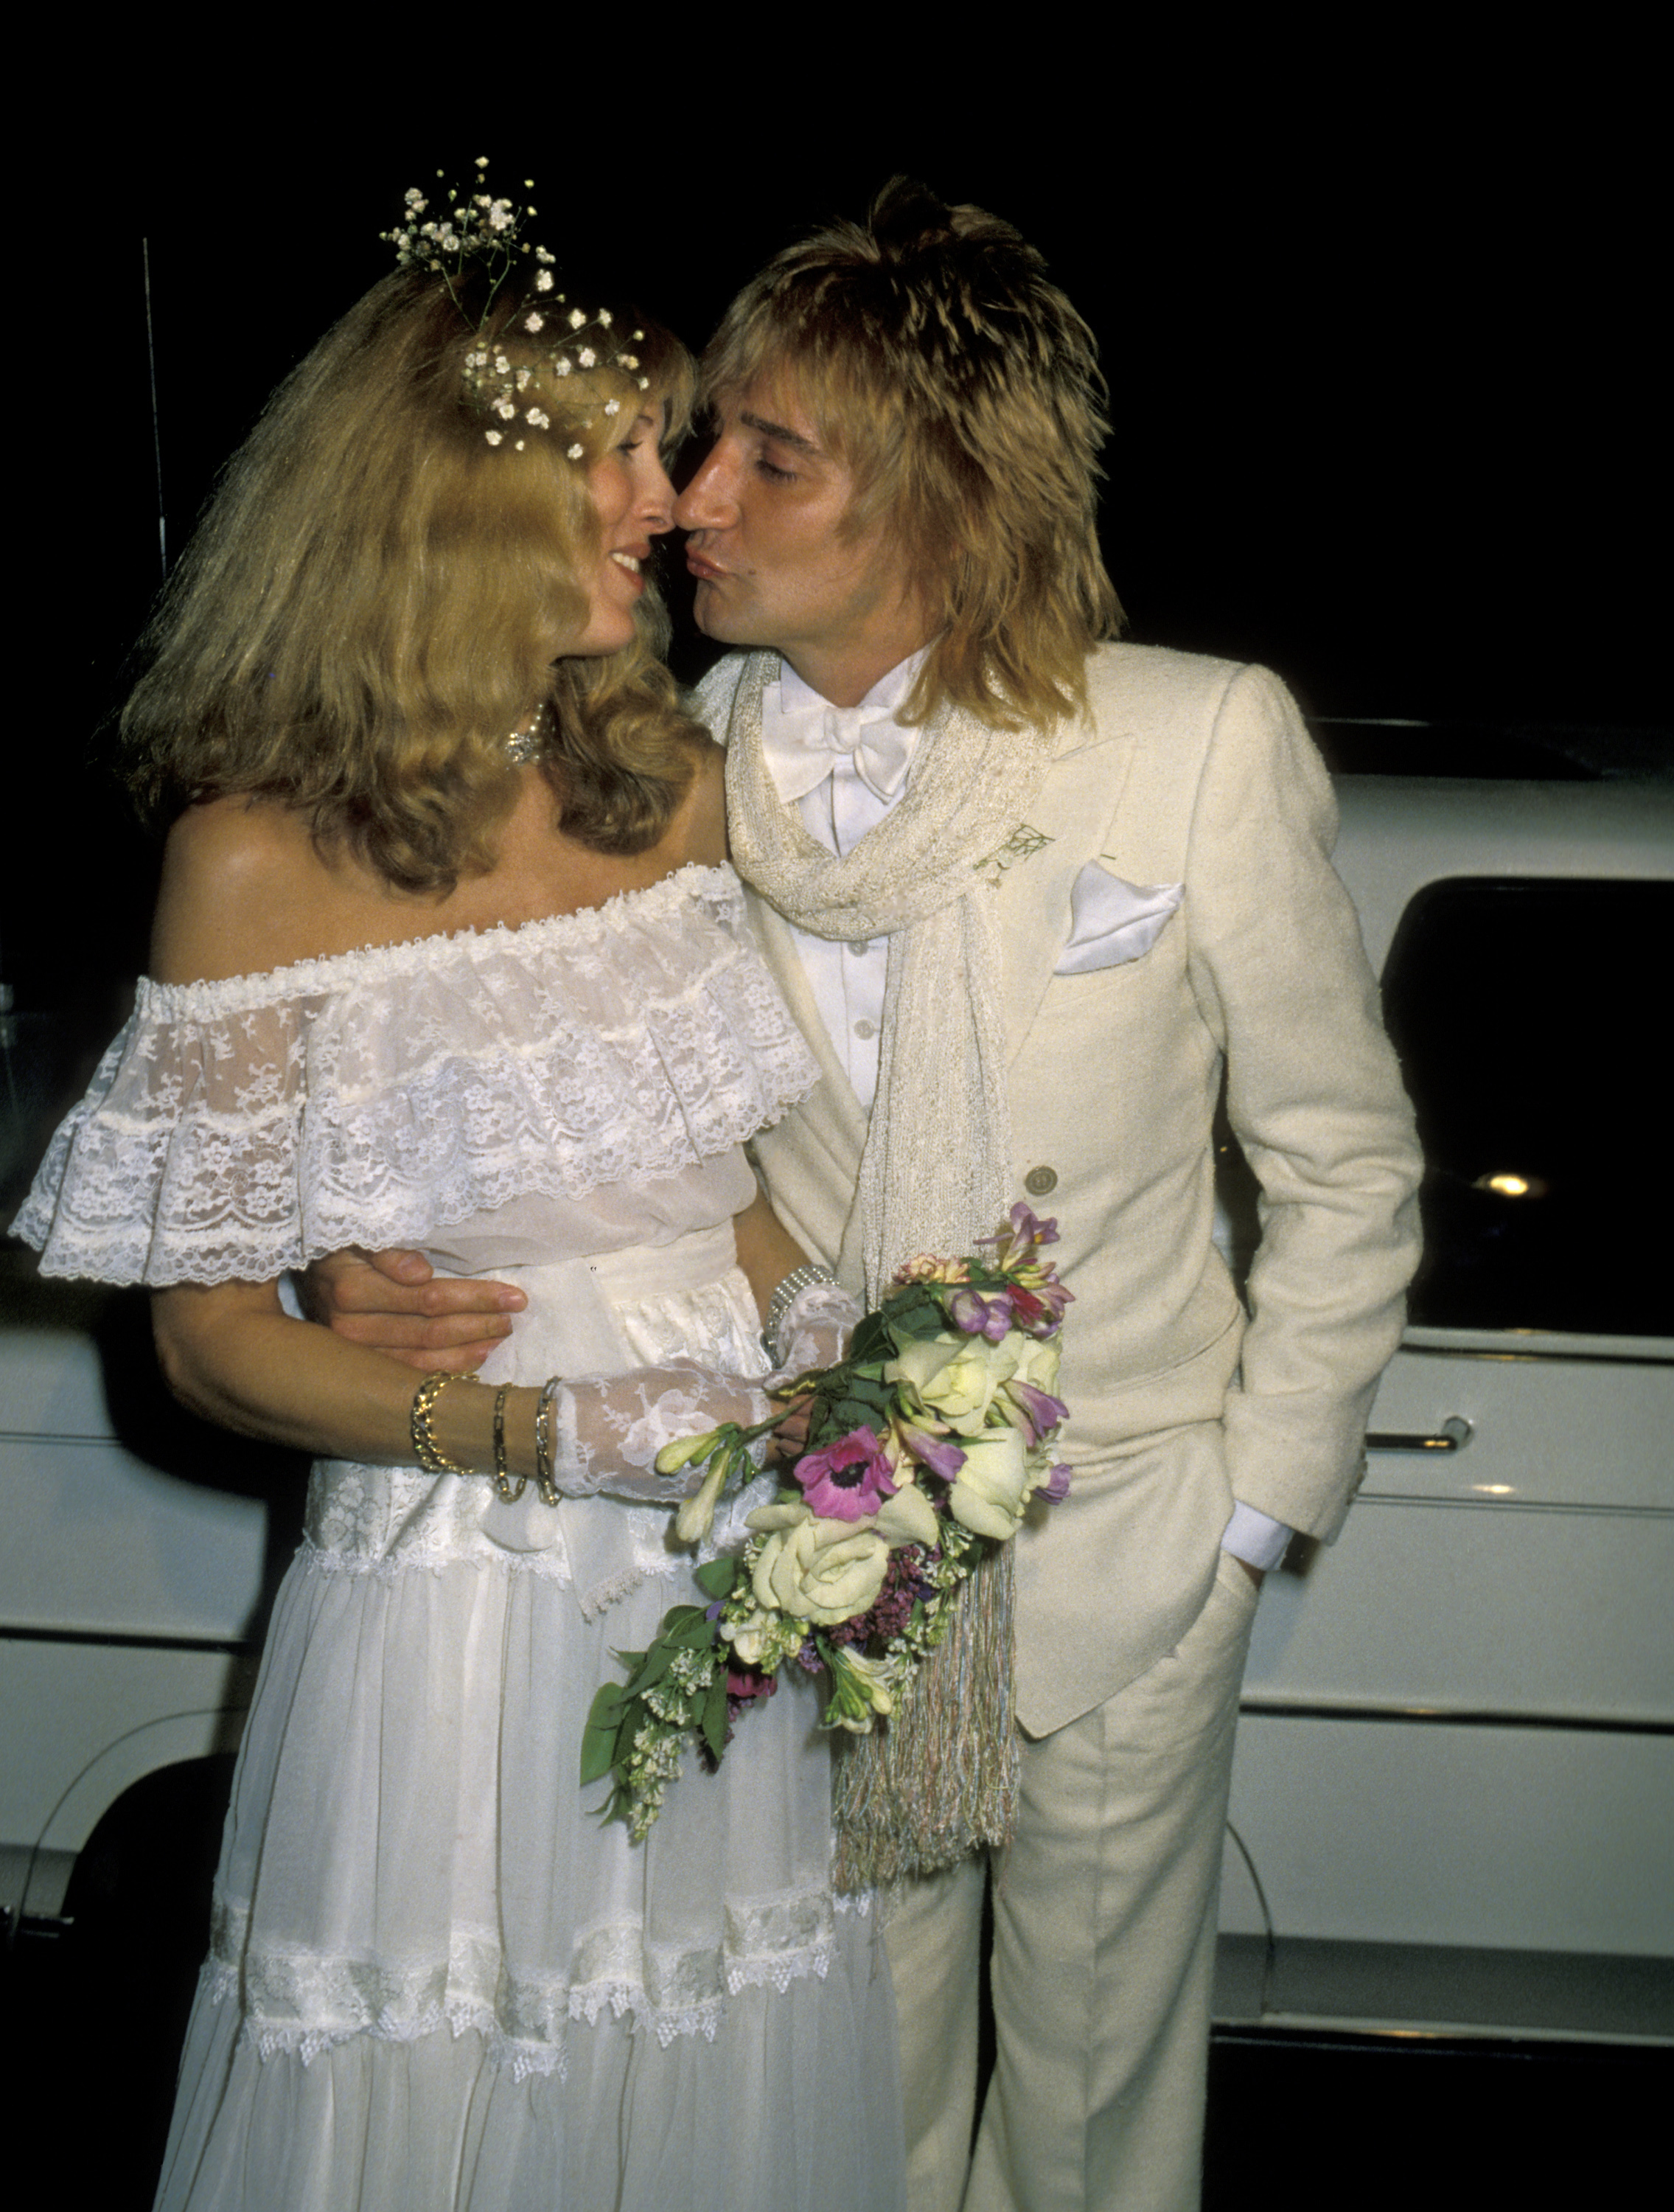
{"x":767,"y":1250}
{"x":233,"y":1356}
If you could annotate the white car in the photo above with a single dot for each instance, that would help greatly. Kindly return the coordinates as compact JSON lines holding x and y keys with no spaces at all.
{"x":1452,"y":1803}
{"x":1454,"y":1788}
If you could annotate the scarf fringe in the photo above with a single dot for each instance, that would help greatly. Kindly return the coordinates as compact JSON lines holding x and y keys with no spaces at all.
{"x":938,"y":1780}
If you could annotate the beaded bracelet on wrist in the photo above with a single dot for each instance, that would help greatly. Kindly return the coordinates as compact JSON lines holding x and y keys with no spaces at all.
{"x":785,"y":1297}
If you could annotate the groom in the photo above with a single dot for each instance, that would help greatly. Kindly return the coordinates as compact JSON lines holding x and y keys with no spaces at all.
{"x":1033,"y":896}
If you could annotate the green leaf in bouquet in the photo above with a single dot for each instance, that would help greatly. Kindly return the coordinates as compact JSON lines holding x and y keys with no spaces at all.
{"x":915,"y":1312}
{"x":713,"y":1724}
{"x":714,"y":1578}
{"x":601,"y":1729}
{"x":871,"y":1339}
{"x":872,"y":1392}
{"x":685,"y":1627}
{"x":647,"y":1668}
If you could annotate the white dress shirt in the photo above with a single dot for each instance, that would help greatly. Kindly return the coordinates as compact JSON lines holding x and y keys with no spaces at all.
{"x":844,"y":768}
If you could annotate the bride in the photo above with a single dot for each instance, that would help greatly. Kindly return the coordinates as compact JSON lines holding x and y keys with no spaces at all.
{"x":446,"y":955}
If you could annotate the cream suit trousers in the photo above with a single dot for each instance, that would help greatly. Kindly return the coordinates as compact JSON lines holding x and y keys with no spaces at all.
{"x":1105,"y":1913}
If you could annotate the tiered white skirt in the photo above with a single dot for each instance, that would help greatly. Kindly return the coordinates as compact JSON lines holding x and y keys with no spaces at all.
{"x":435,"y":1978}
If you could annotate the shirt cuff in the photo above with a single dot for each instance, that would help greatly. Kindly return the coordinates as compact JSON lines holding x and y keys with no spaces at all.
{"x":1255,"y":1537}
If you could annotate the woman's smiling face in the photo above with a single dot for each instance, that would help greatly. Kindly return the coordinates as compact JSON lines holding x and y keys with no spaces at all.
{"x":633,"y":501}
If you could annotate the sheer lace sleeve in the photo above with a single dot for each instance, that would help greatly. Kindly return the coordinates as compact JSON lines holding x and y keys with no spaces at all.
{"x":180,"y":1164}
{"x":610,"y":1430}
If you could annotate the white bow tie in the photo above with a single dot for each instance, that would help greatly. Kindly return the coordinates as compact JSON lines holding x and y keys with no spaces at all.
{"x":803,"y":746}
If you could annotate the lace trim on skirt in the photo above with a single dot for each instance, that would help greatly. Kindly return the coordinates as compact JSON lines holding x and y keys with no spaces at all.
{"x":303,"y":2002}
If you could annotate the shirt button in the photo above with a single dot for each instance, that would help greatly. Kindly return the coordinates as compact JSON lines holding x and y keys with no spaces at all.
{"x":861,"y":947}
{"x":1039,"y":1180}
{"x":867,"y":1029}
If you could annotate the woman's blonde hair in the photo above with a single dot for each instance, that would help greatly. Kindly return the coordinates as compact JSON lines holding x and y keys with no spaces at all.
{"x":962,"y":392}
{"x":387,"y":572}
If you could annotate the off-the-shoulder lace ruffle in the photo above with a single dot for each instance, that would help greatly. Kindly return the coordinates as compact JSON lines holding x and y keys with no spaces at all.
{"x":237,"y":1128}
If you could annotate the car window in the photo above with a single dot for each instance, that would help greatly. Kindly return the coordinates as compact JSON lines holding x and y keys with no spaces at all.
{"x":1530,"y":1018}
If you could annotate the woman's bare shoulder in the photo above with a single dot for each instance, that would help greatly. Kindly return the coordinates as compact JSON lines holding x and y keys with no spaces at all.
{"x":242,"y":891}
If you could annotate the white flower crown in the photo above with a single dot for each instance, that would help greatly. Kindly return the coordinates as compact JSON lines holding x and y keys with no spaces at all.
{"x":478,"y":227}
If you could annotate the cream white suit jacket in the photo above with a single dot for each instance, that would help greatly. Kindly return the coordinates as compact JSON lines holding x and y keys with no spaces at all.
{"x":1198,"y":772}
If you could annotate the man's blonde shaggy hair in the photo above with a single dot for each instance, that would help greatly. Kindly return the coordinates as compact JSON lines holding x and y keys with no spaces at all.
{"x":376,"y":596}
{"x":962,"y":392}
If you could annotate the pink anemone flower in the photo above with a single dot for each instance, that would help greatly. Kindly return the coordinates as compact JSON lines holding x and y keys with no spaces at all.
{"x":847,"y":1480}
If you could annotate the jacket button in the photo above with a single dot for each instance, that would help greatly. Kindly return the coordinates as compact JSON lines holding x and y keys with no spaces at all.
{"x":1039,"y":1180}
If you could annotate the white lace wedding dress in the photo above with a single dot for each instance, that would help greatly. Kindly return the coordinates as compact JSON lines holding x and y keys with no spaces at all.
{"x":435,"y":1979}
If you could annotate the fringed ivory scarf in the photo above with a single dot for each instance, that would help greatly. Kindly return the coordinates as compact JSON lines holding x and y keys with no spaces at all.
{"x":941,"y":1780}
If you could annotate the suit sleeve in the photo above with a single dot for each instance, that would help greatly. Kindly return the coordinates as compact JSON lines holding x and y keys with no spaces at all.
{"x":1315,"y":1099}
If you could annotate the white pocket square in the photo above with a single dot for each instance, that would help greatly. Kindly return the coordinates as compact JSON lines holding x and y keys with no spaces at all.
{"x":1112,"y":922}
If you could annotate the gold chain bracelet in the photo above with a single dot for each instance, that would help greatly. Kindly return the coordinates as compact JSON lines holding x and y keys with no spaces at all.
{"x":509,"y":1491}
{"x":548,"y":1488}
{"x":429,"y":1453}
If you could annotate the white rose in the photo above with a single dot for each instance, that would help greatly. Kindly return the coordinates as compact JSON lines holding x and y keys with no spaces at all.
{"x":823,"y":1571}
{"x":987,"y":1495}
{"x":908,"y":1517}
{"x":1037,"y":1360}
{"x":955,"y":1376}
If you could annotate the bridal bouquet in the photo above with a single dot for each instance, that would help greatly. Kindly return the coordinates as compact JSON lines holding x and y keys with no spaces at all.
{"x":923,"y":1448}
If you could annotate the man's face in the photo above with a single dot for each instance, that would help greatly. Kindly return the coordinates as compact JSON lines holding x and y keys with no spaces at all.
{"x":772,"y":566}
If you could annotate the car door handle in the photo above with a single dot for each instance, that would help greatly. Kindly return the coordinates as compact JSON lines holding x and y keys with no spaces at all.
{"x":1452,"y":1435}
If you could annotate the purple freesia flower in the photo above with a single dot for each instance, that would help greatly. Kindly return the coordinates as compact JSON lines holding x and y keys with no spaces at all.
{"x":847,"y":1480}
{"x":1039,"y":1409}
{"x":1026,"y":1224}
{"x":1026,"y":1232}
{"x":979,"y":1316}
{"x":1056,"y":1487}
{"x":935,"y":1453}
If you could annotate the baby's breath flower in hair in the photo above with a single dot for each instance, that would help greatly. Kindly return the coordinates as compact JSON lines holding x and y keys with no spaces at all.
{"x":487,"y":227}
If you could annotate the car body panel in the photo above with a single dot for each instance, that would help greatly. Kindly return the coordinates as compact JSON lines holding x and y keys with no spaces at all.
{"x":1454,"y":1793}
